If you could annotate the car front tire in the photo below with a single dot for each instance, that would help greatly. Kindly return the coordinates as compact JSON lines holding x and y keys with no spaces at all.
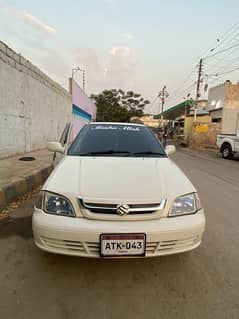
{"x":227,"y":151}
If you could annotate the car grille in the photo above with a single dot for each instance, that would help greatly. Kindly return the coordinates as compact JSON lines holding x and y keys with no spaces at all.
{"x":87,"y":248}
{"x":92,"y":249}
{"x":132,"y":208}
{"x":169,"y":245}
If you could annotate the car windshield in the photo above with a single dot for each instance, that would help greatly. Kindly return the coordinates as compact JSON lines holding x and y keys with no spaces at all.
{"x":116,"y":140}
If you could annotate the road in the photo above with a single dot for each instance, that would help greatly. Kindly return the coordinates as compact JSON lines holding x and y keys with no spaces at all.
{"x":201,"y":284}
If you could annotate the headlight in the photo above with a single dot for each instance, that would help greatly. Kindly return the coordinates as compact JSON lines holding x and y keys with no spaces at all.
{"x":185,"y":205}
{"x":55,"y":204}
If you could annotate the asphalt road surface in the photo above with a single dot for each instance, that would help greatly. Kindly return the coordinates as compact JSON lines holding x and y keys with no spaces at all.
{"x":201,"y":284}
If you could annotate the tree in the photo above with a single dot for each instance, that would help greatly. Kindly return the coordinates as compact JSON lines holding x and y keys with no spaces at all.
{"x":118,"y":106}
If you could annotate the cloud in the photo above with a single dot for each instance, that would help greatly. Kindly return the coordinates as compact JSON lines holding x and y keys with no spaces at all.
{"x":56,"y":65}
{"x":37,"y":22}
{"x":88,"y":59}
{"x":115,"y":70}
{"x":56,"y":56}
{"x":23,"y":19}
{"x":121,"y":67}
{"x":128,"y":36}
{"x":120,"y":51}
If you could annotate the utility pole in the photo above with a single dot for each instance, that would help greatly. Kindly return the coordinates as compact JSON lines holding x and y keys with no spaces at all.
{"x":186,"y":104}
{"x":84,"y":80}
{"x":163,"y":94}
{"x":73,"y":71}
{"x":198,"y":89}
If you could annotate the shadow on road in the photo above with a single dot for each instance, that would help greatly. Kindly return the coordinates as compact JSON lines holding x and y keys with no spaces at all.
{"x":72,"y":263}
{"x":22,"y":227}
{"x":16,"y":227}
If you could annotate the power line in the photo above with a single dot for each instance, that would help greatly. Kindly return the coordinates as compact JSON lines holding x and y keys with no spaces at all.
{"x":224,"y":59}
{"x":183,"y":82}
{"x":228,"y":38}
{"x":150,"y":107}
{"x":222,"y":40}
{"x":228,"y":62}
{"x":220,"y":69}
{"x":222,"y":51}
{"x":222,"y":75}
{"x":226,"y":72}
{"x":187,"y":89}
{"x":224,"y":68}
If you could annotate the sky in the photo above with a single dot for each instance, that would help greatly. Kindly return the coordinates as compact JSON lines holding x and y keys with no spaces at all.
{"x":138,"y":45}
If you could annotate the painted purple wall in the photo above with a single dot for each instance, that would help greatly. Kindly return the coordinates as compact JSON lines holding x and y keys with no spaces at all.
{"x":83,"y":109}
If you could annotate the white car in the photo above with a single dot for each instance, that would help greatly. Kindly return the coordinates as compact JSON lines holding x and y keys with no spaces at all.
{"x":228,"y":145}
{"x":116,"y":193}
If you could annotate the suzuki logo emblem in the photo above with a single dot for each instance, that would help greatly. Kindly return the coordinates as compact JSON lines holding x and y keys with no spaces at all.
{"x":122,"y":209}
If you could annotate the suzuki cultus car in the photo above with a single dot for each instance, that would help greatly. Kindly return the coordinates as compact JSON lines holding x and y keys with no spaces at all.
{"x":117,"y":193}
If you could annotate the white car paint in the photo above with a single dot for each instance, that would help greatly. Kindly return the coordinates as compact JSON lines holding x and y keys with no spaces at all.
{"x":224,"y":140}
{"x":121,"y":180}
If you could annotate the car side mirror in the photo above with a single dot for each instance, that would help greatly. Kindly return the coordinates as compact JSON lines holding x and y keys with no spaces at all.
{"x":170,"y":149}
{"x":55,"y":147}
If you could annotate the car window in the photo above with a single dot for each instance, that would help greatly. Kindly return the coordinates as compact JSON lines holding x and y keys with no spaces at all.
{"x":116,"y":140}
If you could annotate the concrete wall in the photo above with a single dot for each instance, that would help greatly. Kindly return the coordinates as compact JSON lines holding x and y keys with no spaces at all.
{"x":231,"y":96}
{"x":33,"y":108}
{"x":216,"y":97}
{"x":188,"y":125}
{"x":204,"y":139}
{"x":230,"y":121}
{"x":225,"y":95}
{"x":230,"y":114}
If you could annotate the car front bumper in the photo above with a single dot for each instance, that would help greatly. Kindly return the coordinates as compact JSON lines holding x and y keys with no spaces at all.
{"x":81,"y":236}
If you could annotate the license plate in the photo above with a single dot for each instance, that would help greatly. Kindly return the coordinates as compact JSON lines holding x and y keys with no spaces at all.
{"x":122,"y":245}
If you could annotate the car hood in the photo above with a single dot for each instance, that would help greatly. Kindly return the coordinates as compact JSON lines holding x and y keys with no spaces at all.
{"x":118,"y":179}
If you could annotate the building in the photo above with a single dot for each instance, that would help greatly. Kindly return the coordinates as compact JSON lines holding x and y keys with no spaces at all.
{"x":83,"y":109}
{"x":182,"y":109}
{"x":147,"y":120}
{"x":223,"y":103}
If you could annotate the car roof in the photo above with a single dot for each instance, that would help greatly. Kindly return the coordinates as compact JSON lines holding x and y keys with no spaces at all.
{"x":116,"y":123}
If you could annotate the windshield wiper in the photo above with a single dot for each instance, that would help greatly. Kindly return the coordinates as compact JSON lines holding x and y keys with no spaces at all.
{"x":106,"y":152}
{"x":150,"y":153}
